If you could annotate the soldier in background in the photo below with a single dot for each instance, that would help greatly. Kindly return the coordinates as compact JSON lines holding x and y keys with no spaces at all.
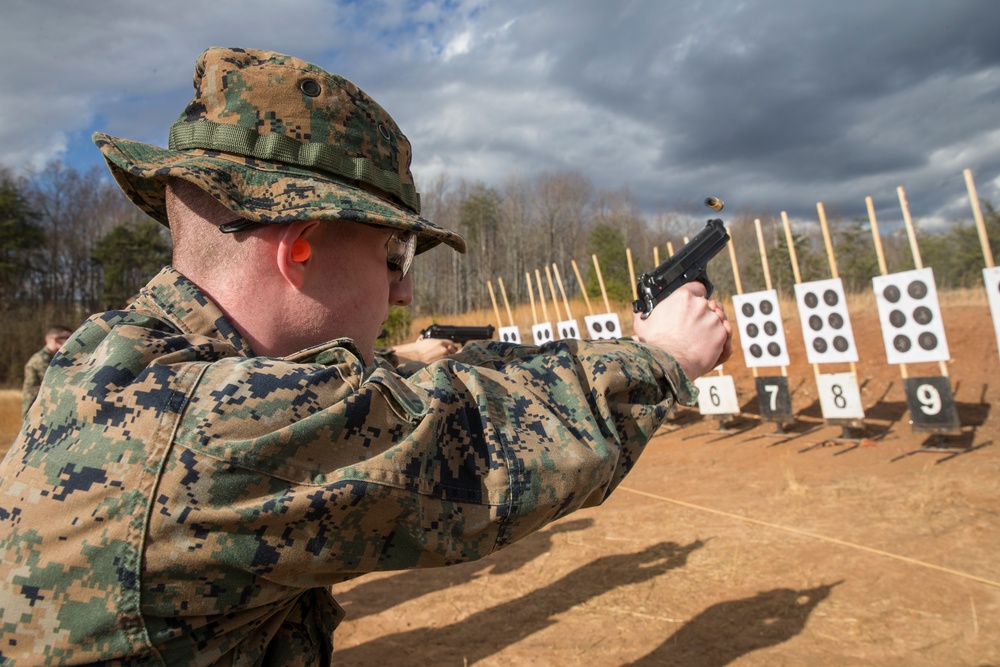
{"x":210,"y":460}
{"x":34,"y":370}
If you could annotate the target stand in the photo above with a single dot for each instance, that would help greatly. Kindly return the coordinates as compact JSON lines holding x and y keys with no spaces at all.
{"x":774,"y":402}
{"x":717,"y":398}
{"x":933,"y":411}
{"x":840,"y":401}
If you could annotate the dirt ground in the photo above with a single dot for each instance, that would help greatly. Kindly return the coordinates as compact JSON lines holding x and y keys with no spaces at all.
{"x":744,"y":547}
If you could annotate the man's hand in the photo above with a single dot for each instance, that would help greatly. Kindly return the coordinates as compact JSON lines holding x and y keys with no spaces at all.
{"x":425,"y":350}
{"x":692,"y":329}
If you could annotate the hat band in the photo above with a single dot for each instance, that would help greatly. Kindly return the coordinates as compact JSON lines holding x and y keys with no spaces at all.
{"x":208,"y":135}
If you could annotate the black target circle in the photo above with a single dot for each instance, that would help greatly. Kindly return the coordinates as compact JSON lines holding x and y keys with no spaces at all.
{"x":611,"y":327}
{"x":756,"y":351}
{"x":770,"y":328}
{"x":815,"y":322}
{"x":752,"y":330}
{"x":748,"y":310}
{"x":836,"y":320}
{"x":774,"y":349}
{"x":902,"y":343}
{"x":897,"y":319}
{"x":820,"y":345}
{"x":840,"y":344}
{"x":917,"y":289}
{"x":766,"y":307}
{"x":927,"y":341}
{"x":830,"y":297}
{"x":811,"y":300}
{"x":922,"y":315}
{"x":891,"y":293}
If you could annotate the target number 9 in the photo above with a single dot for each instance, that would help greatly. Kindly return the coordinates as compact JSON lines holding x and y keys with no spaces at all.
{"x":929,"y":398}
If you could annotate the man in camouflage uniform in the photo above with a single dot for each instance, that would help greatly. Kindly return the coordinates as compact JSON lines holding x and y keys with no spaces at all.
{"x":38,"y":363}
{"x":205,"y":464}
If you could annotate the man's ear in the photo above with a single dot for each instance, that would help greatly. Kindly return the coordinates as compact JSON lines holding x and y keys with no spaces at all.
{"x":293,"y":251}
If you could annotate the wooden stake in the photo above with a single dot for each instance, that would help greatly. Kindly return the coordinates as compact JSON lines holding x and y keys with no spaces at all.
{"x":739,"y":283}
{"x":792,"y":255}
{"x":826,"y":240}
{"x":767,"y":270}
{"x":583,"y":289}
{"x":917,"y":261}
{"x":600,"y":280}
{"x":977,"y":213}
{"x":833,"y":262}
{"x":531,"y":295}
{"x":670,"y":248}
{"x":562,"y":290}
{"x":541,"y":296}
{"x":883,"y":267}
{"x":506,"y":304}
{"x":656,"y":256}
{"x":493,"y":298}
{"x":875,"y":235}
{"x":763,"y":253}
{"x":631,"y":273}
{"x":910,"y":231}
{"x":552,"y":291}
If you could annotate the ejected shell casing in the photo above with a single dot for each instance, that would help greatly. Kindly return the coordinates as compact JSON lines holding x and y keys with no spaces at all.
{"x":714,"y":203}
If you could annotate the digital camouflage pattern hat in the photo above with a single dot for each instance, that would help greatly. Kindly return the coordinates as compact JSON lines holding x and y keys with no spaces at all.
{"x":276,"y":139}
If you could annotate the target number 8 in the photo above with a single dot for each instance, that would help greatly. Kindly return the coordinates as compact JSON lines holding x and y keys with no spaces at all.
{"x":929,"y":398}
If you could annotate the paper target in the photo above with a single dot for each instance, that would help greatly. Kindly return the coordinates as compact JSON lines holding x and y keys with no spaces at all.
{"x":762,"y":335}
{"x":604,"y":326}
{"x":910,"y":315}
{"x":991,"y":280}
{"x":542,"y":333}
{"x":509,"y":335}
{"x":839,"y":396}
{"x":568,"y":329}
{"x":717,"y":395}
{"x":826,"y":324}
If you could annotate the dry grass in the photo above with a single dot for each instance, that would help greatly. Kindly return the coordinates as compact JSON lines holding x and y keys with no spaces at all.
{"x":10,"y":417}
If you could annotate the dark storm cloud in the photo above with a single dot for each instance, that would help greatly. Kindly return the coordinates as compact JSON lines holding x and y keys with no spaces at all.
{"x":771,"y":104}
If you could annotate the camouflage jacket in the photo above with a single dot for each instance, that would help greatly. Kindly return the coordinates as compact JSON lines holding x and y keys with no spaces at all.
{"x":174,"y":499}
{"x":34,"y":371}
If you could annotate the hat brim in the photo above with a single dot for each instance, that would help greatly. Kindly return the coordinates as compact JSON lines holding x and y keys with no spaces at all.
{"x":262,"y":191}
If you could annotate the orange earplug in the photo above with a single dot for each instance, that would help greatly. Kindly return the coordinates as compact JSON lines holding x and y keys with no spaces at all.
{"x":301,"y":250}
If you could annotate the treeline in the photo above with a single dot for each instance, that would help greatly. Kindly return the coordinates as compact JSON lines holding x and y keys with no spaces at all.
{"x":72,"y":245}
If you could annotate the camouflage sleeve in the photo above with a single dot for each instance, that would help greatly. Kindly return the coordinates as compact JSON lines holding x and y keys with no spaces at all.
{"x":306,"y":474}
{"x":34,"y":371}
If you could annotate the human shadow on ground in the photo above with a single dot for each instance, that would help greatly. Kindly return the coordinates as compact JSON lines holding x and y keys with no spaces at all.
{"x":377,"y":595}
{"x":489,"y":631}
{"x":728,"y":630}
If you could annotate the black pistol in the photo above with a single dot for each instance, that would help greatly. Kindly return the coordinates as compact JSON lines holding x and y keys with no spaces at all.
{"x":687,"y":264}
{"x":457,"y":334}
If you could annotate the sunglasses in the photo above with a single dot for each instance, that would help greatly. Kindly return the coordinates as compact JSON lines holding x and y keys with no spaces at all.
{"x":400,"y":247}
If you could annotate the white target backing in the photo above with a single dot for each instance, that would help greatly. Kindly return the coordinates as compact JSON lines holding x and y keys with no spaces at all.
{"x":717,"y":395}
{"x":509,"y":335}
{"x":910,"y":315}
{"x":604,"y":326}
{"x":991,"y":280}
{"x":826,"y":324}
{"x":568,"y":329}
{"x":542,"y":333}
{"x":762,"y":335}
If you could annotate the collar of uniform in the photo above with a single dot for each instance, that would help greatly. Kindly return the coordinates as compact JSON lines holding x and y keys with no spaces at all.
{"x":189,"y":309}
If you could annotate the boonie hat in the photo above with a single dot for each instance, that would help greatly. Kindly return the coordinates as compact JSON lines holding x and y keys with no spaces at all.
{"x":276,"y":139}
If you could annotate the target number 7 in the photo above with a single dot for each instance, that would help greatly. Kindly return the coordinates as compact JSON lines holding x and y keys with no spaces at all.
{"x":773,"y":390}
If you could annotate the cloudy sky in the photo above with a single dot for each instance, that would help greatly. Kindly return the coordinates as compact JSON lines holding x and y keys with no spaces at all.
{"x":770,"y":104}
